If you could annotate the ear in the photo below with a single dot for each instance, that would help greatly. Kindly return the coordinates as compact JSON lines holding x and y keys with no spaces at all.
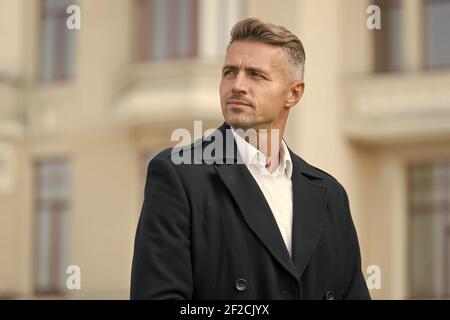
{"x":295,"y":92}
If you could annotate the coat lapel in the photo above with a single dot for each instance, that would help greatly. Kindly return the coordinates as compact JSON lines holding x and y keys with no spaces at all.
{"x":309,"y":201}
{"x":309,"y":205}
{"x":256,"y":211}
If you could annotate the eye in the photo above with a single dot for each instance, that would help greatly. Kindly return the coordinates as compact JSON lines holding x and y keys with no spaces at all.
{"x":256,"y":74}
{"x":227,"y":73}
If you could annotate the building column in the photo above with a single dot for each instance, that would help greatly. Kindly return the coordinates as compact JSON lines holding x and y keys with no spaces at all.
{"x":413,"y":28}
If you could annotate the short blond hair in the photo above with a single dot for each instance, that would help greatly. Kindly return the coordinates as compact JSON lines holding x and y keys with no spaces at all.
{"x":256,"y":30}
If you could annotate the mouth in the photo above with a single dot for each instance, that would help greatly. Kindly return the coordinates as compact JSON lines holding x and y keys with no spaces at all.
{"x":238,"y":103}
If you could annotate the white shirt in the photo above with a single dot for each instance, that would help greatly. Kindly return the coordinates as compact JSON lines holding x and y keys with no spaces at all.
{"x":276,"y":186}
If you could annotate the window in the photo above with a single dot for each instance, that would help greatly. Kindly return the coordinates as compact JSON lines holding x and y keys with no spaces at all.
{"x":437,"y":27}
{"x":57,"y":41}
{"x":168,"y":29}
{"x":388,"y":40}
{"x":52,"y":226}
{"x":179,"y":29}
{"x":430,"y":230}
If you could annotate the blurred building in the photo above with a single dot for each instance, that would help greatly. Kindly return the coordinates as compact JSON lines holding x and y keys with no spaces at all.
{"x":82,"y":112}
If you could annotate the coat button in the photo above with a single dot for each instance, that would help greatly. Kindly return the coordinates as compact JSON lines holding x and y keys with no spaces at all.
{"x":329,"y":295}
{"x":241,"y":284}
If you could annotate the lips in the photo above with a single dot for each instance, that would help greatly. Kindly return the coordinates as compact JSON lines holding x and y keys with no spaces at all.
{"x":239,"y":103}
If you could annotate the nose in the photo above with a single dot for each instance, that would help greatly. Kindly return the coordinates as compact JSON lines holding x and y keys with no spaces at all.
{"x":239,"y":84}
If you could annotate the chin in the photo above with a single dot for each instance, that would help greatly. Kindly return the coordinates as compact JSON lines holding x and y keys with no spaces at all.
{"x":239,"y":123}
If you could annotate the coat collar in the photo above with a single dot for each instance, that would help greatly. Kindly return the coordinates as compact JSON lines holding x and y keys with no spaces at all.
{"x":229,"y":153}
{"x":309,"y":205}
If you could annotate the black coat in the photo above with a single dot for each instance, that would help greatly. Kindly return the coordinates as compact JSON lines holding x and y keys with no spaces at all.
{"x":207,"y":232}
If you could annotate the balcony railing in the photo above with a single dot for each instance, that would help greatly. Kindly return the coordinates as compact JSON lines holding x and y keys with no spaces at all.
{"x":398,"y":108}
{"x":173,"y":90}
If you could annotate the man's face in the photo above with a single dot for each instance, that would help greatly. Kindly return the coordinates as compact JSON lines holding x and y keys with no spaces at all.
{"x":255,"y":85}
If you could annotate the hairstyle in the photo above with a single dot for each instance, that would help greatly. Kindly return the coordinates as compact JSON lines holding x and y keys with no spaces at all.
{"x":256,"y":30}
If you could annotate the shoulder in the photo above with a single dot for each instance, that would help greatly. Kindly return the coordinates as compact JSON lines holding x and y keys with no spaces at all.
{"x":319,"y":176}
{"x":336,"y":195}
{"x":162,"y":155}
{"x":172,"y":154}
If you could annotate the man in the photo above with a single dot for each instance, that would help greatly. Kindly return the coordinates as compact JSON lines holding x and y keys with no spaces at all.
{"x":268,"y":227}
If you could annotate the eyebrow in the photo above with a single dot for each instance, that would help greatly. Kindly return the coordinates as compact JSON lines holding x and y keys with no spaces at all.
{"x":247,"y":69}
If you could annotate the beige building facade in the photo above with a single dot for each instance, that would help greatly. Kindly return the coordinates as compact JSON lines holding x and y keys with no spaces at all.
{"x":83,"y":110}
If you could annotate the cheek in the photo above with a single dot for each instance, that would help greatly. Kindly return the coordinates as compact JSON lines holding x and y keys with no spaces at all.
{"x":223,"y":90}
{"x":267,"y":96}
{"x":271,"y":101}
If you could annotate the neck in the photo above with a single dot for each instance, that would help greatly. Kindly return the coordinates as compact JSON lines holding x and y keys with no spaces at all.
{"x":268,"y":141}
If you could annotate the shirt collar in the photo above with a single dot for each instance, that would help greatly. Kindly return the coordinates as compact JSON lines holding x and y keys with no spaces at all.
{"x":253,"y":156}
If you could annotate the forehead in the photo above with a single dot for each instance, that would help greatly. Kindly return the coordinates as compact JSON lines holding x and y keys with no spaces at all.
{"x":256,"y":54}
